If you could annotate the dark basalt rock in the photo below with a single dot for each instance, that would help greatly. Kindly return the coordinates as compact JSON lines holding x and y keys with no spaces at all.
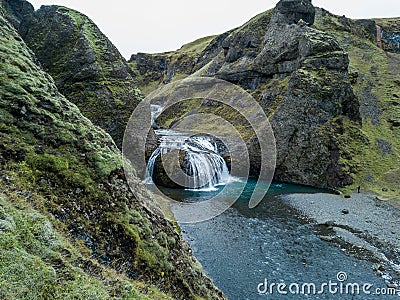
{"x":292,"y":11}
{"x":164,"y":163}
{"x":16,"y":11}
{"x":301,"y":77}
{"x":317,"y":100}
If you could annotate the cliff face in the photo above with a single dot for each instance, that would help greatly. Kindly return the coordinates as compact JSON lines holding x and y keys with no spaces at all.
{"x":302,"y":65}
{"x":373,"y":155}
{"x":69,"y":225}
{"x":85,"y":65}
{"x":155,"y":69}
{"x":389,"y":34}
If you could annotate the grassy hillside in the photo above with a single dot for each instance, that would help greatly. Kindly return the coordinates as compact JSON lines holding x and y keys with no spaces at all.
{"x":375,"y":154}
{"x":167,"y":67}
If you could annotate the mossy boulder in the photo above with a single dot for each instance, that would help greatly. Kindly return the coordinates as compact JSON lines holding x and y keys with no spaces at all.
{"x":166,"y":168}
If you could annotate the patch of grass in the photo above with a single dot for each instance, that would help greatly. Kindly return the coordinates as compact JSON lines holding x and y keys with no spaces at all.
{"x":376,"y":71}
{"x":195,"y":47}
{"x":32,"y":265}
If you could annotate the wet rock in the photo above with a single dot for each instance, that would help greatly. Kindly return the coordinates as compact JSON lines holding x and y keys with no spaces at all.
{"x":345,"y":211}
{"x":330,"y":223}
{"x":327,"y":238}
{"x":166,"y":164}
{"x":7,"y":223}
{"x":300,"y":77}
{"x":378,"y":267}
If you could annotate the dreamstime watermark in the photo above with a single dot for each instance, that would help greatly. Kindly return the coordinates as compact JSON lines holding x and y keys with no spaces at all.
{"x":339,"y":286}
{"x":224,"y":104}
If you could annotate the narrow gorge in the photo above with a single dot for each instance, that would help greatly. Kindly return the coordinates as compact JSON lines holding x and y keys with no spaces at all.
{"x":298,"y":106}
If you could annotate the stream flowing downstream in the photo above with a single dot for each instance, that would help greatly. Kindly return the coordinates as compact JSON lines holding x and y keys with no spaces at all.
{"x":243,"y":247}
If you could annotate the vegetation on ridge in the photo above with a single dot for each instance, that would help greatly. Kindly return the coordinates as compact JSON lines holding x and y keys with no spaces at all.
{"x":375,"y":155}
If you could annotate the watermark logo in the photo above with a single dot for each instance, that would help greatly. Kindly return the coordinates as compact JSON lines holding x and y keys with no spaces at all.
{"x":339,"y":286}
{"x":227,"y":113}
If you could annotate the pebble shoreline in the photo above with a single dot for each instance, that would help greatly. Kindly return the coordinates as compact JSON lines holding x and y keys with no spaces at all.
{"x":361,"y":221}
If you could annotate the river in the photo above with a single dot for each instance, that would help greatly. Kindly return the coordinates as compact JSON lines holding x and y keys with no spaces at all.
{"x":243,"y":248}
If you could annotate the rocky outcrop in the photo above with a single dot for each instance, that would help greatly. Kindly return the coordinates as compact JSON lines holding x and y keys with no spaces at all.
{"x":374,"y":78}
{"x":292,"y":11}
{"x":322,"y":85}
{"x":153,"y":70}
{"x":69,"y":222}
{"x":165,"y":168}
{"x":316,"y":91}
{"x":390,"y":34}
{"x":300,"y":77}
{"x":85,"y":65}
{"x":16,"y":11}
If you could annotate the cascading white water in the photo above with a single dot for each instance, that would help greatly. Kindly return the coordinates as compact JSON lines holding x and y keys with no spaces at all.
{"x":204,"y":166}
{"x":155,"y":112}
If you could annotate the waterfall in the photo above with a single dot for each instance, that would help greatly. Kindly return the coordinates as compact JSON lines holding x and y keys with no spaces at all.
{"x":205,"y":167}
{"x":155,"y":112}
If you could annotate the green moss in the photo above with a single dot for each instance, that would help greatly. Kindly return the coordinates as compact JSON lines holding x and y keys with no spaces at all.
{"x":65,"y":206}
{"x":376,"y":71}
{"x":32,"y":266}
{"x":178,"y":111}
{"x":102,"y":84}
{"x":196,"y":46}
{"x":258,"y":24}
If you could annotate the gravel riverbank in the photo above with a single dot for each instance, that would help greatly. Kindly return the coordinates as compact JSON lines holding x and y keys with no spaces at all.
{"x":364,"y":226}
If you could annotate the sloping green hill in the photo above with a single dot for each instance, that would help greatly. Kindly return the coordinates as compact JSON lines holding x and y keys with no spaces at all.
{"x":70,"y":228}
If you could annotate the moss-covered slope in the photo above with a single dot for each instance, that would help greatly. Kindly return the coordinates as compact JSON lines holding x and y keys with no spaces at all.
{"x":85,"y":65}
{"x":375,"y":154}
{"x":69,"y":225}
